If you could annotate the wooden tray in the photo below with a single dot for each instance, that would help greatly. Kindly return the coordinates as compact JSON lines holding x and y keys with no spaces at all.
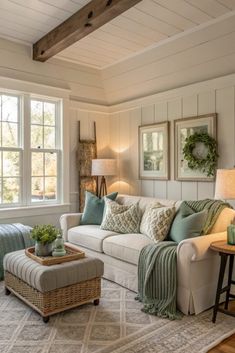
{"x":72,"y":253}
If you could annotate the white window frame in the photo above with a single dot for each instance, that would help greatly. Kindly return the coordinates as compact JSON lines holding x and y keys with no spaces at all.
{"x":14,"y":149}
{"x":57,"y":150}
{"x":24,"y":134}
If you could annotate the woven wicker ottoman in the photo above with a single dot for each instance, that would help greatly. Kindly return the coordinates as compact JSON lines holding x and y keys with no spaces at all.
{"x":52,"y":289}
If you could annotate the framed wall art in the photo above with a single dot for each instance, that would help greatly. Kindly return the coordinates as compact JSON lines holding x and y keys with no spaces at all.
{"x":154,"y":151}
{"x":203,"y":126}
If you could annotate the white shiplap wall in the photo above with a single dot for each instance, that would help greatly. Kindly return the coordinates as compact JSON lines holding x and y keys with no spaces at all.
{"x":208,"y":97}
{"x":86,"y":115}
{"x":84,"y":83}
{"x":19,"y":72}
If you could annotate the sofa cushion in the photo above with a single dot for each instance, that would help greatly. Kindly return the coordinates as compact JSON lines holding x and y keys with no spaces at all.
{"x":89,"y":236}
{"x":94,"y":208}
{"x":145,"y":201}
{"x":121,"y":219}
{"x":156,"y":221}
{"x":126,"y":247}
{"x":187,"y":224}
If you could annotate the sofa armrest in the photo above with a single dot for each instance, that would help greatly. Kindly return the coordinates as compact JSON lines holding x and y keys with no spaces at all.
{"x":68,"y":221}
{"x":196,"y":249}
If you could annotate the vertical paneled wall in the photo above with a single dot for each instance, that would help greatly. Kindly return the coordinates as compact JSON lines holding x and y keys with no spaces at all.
{"x":124,"y":139}
{"x":86,"y":118}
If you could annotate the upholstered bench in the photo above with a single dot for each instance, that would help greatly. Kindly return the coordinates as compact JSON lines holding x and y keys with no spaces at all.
{"x":52,"y":289}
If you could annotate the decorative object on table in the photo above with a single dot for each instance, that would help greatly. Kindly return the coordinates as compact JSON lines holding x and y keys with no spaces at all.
{"x":103,"y":168}
{"x":86,"y":151}
{"x":225,"y":190}
{"x":154,"y":151}
{"x":59,"y":248}
{"x":225,"y":251}
{"x":195,"y":148}
{"x":231,"y":234}
{"x":94,"y":208}
{"x":72,"y":253}
{"x":44,"y":236}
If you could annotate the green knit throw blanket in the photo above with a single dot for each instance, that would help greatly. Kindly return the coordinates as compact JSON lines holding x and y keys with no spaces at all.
{"x":157,"y":267}
{"x":214,"y":208}
{"x":157,"y":279}
{"x":13,"y":237}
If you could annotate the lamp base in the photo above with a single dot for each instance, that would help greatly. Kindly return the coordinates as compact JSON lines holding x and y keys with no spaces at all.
{"x":103,"y":188}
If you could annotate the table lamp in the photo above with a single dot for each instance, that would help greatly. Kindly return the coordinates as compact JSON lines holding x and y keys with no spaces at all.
{"x":225,"y":190}
{"x":103,"y":167}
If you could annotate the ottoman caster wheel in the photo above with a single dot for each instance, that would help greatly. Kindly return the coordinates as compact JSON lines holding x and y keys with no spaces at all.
{"x":7,"y":291}
{"x":46,"y":319}
{"x":96,"y":302}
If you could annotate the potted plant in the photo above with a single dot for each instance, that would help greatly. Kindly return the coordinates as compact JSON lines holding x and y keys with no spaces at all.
{"x":44,"y":236}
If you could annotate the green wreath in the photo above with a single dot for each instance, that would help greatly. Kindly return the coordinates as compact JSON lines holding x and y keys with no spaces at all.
{"x":206,"y":165}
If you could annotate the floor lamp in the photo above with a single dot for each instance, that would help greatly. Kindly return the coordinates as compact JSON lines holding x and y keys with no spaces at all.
{"x":225,"y":190}
{"x":103,"y":168}
{"x":225,"y":184}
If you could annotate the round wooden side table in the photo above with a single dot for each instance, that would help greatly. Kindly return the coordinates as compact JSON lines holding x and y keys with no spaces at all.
{"x":225,"y":251}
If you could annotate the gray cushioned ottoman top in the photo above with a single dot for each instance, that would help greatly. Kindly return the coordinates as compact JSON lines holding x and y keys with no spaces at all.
{"x":47,"y":278}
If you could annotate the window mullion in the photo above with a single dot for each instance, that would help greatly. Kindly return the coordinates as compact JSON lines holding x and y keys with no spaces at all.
{"x":1,"y":177}
{"x":59,"y":144}
{"x":1,"y":152}
{"x":59,"y":175}
{"x":27,"y":152}
{"x":44,"y":178}
{"x":1,"y":120}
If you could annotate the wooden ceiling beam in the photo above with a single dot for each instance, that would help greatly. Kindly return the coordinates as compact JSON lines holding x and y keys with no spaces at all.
{"x":89,"y":18}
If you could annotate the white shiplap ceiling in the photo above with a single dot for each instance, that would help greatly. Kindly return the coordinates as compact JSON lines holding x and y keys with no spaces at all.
{"x":148,"y":23}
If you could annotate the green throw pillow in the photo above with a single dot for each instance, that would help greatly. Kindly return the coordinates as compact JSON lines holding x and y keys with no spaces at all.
{"x":187,"y":224}
{"x":94,"y":208}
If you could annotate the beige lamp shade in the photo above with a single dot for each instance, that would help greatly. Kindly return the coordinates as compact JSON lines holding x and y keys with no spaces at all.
{"x":103,"y":167}
{"x":225,"y":184}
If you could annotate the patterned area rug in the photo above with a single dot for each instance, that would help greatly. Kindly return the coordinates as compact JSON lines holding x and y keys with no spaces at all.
{"x":116,"y":325}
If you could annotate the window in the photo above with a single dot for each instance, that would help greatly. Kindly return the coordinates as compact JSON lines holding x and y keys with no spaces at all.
{"x":10,"y":156}
{"x":30,"y":150}
{"x":44,"y":154}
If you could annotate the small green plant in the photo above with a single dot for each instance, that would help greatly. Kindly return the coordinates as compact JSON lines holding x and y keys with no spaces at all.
{"x":44,"y":234}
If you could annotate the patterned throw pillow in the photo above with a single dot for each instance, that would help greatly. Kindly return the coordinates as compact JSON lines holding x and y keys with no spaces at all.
{"x":121,"y":218}
{"x":156,"y":221}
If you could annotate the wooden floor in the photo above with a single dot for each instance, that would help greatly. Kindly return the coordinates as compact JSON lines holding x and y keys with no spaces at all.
{"x":228,"y":345}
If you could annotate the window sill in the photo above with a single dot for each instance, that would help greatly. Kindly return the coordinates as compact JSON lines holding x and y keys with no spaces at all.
{"x":27,"y":211}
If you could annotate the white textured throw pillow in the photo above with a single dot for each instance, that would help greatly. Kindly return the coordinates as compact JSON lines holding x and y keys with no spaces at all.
{"x":156,"y":221}
{"x":121,"y":218}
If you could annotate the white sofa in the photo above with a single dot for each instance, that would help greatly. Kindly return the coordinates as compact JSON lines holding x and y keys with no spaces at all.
{"x":197,"y":265}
